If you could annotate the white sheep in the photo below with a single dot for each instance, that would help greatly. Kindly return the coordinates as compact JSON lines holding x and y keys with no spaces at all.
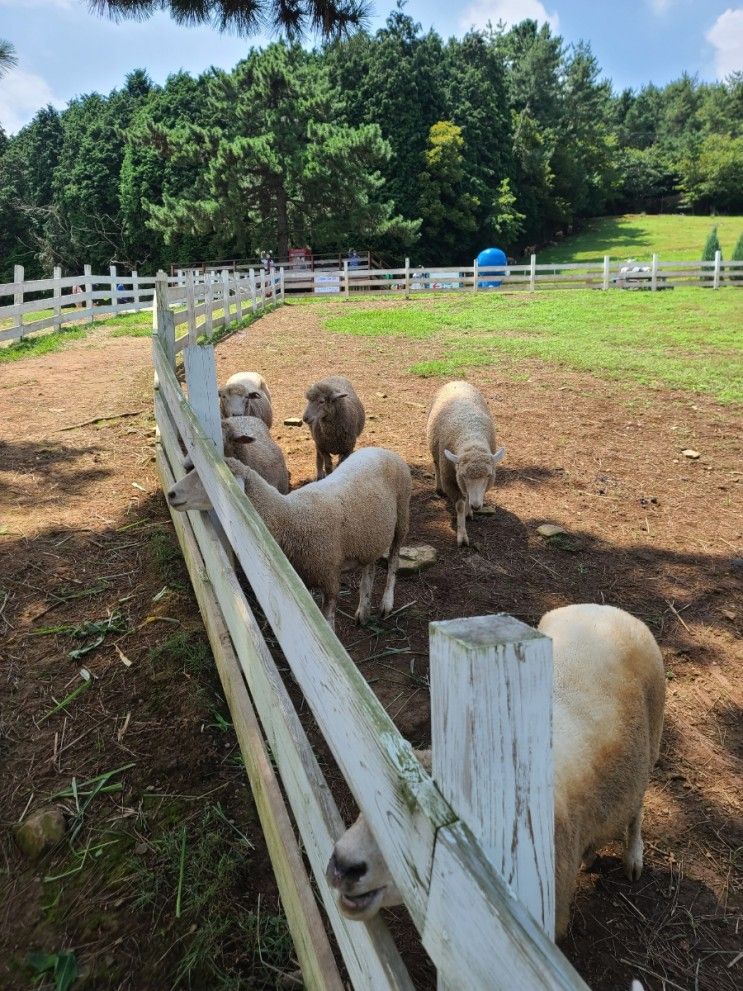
{"x":246,"y":394}
{"x":608,"y":698}
{"x":335,"y":416}
{"x":461,"y":438}
{"x":348,"y":520}
{"x":247,"y":439}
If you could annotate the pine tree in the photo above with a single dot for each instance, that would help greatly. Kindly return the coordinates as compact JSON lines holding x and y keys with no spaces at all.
{"x":737,"y":255}
{"x":711,"y":247}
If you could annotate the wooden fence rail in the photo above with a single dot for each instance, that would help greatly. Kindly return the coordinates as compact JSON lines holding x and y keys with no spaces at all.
{"x":484,"y":908}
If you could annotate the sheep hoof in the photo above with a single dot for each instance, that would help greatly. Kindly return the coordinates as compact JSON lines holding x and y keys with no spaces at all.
{"x":463,"y":540}
{"x":361,"y":616}
{"x":633,"y":862}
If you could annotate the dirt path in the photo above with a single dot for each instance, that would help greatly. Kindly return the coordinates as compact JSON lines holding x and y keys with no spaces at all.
{"x":647,"y":529}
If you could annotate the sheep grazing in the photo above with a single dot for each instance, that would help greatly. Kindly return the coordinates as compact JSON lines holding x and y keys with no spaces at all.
{"x":348,"y":520}
{"x":246,"y":394}
{"x":461,"y":438}
{"x":609,"y":692}
{"x":335,"y":417}
{"x":247,"y":439}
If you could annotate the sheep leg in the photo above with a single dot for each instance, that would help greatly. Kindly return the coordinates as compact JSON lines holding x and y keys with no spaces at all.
{"x":462,"y":537}
{"x":437,"y":480}
{"x":320,"y":462}
{"x":393,"y":562}
{"x":633,"y":847}
{"x":328,"y":607}
{"x":469,"y":510}
{"x":328,"y":464}
{"x":589,"y":857}
{"x":365,"y":593}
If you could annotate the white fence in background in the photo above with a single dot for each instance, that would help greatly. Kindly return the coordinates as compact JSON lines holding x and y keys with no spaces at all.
{"x":218,"y":298}
{"x":479,"y":885}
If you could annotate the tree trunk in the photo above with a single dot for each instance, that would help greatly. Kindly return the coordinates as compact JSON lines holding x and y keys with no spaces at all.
{"x":282,"y":224}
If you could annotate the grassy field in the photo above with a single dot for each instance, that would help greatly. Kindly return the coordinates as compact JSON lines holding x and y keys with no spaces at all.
{"x":44,"y":342}
{"x":686,"y":339}
{"x":639,"y":235}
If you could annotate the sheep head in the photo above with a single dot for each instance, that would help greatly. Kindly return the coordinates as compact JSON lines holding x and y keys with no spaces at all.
{"x":475,"y":470}
{"x":322,"y":403}
{"x":190,"y":494}
{"x":241,"y":400}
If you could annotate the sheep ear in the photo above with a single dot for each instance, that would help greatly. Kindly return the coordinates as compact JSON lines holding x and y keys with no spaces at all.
{"x":499,"y":456}
{"x":454,"y":458}
{"x":187,"y":462}
{"x":338,"y":395}
{"x":243,"y":439}
{"x":220,"y":393}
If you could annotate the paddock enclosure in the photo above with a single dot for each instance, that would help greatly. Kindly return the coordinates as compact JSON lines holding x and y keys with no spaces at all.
{"x":644,"y":529}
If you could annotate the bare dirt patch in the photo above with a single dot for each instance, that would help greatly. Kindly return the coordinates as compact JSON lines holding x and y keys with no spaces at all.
{"x":647,"y":529}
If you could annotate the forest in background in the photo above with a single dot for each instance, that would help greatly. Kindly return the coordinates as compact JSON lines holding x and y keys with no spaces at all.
{"x":398,"y":141}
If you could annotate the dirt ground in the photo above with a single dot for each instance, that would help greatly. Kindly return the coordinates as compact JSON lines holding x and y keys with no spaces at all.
{"x":646,"y":529}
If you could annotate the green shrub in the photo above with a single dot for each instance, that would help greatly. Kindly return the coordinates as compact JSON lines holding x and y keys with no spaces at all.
{"x":712,"y":245}
{"x":737,"y":255}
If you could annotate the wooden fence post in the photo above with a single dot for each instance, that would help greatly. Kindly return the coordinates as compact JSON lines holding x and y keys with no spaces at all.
{"x":407,"y":276}
{"x":491,"y":731}
{"x":135,"y":289}
{"x":114,"y":291}
{"x":163,"y":318}
{"x":209,"y":306}
{"x":716,"y":276}
{"x":88,"y":279}
{"x":533,"y":273}
{"x":57,"y":305}
{"x":654,"y":274}
{"x":282,"y":285}
{"x":18,"y":279}
{"x":225,"y":296}
{"x":238,"y":297}
{"x":191,"y":306}
{"x":605,"y":282}
{"x":253,"y":298}
{"x":475,"y":275}
{"x":203,"y":397}
{"x":347,"y":288}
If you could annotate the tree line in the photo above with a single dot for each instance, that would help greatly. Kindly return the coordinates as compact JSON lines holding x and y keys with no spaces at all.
{"x":397,"y":140}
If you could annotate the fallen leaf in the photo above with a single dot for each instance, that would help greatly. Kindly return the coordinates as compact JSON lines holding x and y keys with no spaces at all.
{"x":124,"y":659}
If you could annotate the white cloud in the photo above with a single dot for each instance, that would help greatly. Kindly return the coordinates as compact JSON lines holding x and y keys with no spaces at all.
{"x":21,"y":95}
{"x":661,"y":6}
{"x":726,"y":37}
{"x":478,"y":13}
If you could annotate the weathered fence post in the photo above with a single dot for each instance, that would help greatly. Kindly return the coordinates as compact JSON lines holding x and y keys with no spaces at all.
{"x":163,"y":318}
{"x":191,"y":306}
{"x":135,"y":289}
{"x":57,"y":305}
{"x":407,"y":276}
{"x":282,"y":285}
{"x":18,"y":279}
{"x":263,"y":288}
{"x":114,"y":291}
{"x":533,"y":273}
{"x":225,"y":296}
{"x":491,"y":731}
{"x":654,"y":274}
{"x":203,"y":397}
{"x":88,"y":280}
{"x":716,"y":276}
{"x":209,"y":306}
{"x":474,"y":275}
{"x":347,"y":288}
{"x":605,"y":281}
{"x":253,"y":296}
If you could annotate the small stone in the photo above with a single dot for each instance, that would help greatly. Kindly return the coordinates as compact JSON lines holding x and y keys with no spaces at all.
{"x":41,"y":832}
{"x":141,"y":849}
{"x":737,"y":564}
{"x":293,"y":421}
{"x":486,"y":511}
{"x":549,"y":530}
{"x":382,"y":395}
{"x":729,"y":614}
{"x":691,"y":453}
{"x":415,"y":559}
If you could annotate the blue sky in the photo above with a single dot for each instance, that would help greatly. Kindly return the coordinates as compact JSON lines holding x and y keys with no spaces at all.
{"x":65,"y":50}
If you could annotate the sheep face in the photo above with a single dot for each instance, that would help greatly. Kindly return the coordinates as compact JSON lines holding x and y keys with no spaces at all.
{"x":239,"y":400}
{"x":231,"y":437}
{"x":322,"y":403}
{"x":475,"y":473}
{"x":189,"y":494}
{"x":359,"y":875}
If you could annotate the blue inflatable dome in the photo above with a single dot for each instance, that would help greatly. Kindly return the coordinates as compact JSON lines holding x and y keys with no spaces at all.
{"x":491,"y":258}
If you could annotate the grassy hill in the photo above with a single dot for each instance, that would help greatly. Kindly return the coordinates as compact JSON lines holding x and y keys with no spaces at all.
{"x":638,"y":235}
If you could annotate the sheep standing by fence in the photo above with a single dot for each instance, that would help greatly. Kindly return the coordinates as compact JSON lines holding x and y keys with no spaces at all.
{"x":609,"y":694}
{"x":350,"y":519}
{"x":461,"y":438}
{"x":246,"y":394}
{"x":247,"y":439}
{"x":335,"y":417}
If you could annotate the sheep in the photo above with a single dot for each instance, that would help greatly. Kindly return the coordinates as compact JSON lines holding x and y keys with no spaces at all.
{"x":349,"y":519}
{"x":246,"y":394}
{"x":335,"y":416}
{"x":461,"y":438}
{"x":608,"y":699}
{"x":247,"y":439}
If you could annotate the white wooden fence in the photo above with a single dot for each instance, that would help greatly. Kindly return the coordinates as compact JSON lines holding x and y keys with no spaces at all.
{"x":605,"y":274}
{"x":482,"y":903}
{"x":217,"y":297}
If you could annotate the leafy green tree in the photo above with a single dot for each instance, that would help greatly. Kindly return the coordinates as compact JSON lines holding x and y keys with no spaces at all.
{"x":276,"y":168}
{"x":506,"y":221}
{"x":292,"y":17}
{"x":711,"y":246}
{"x":447,"y":208}
{"x":713,"y":175}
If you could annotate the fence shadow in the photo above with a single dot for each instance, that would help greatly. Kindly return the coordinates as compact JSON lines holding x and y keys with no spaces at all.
{"x":52,"y":462}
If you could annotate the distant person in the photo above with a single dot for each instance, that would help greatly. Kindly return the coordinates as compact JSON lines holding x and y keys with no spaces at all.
{"x":353,"y":258}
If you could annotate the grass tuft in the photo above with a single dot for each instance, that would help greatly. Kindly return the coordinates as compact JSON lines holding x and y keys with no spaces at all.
{"x":33,"y":347}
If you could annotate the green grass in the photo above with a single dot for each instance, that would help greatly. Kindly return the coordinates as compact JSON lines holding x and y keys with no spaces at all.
{"x":131,"y":325}
{"x":639,"y":235}
{"x":685,"y":339}
{"x":33,"y":347}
